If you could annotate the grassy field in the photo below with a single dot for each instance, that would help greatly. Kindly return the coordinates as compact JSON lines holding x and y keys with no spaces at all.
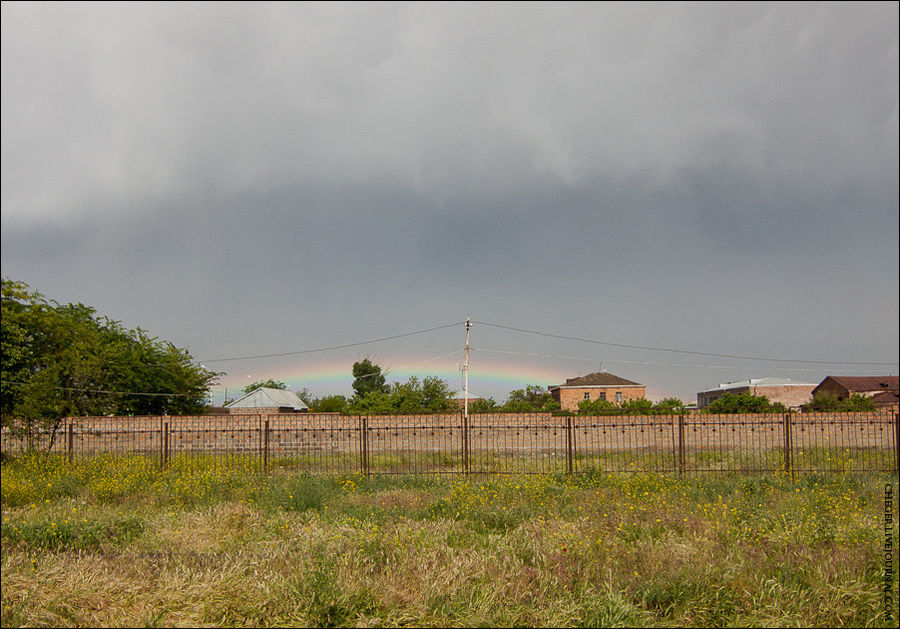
{"x":120,"y":542}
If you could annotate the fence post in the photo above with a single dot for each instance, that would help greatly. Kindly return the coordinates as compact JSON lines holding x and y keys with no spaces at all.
{"x":681,"y":444}
{"x":788,"y":446}
{"x":465,"y":439}
{"x":674,"y":446}
{"x":896,"y":443}
{"x":166,"y":444}
{"x":162,"y":462}
{"x":569,"y":445}
{"x":70,"y":442}
{"x":363,"y":445}
{"x":574,"y":444}
{"x":266,"y":445}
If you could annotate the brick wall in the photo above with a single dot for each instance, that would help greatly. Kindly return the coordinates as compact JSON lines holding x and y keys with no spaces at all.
{"x":570,"y":398}
{"x":792,"y":396}
{"x":324,"y":436}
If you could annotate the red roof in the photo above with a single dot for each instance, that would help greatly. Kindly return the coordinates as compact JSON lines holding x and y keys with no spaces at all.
{"x":598,"y":379}
{"x":886,"y":398}
{"x":859,"y":384}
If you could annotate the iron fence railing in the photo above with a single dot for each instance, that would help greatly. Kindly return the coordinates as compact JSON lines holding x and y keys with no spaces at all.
{"x":510,"y":443}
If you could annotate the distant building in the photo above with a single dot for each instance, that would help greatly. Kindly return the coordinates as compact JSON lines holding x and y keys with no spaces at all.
{"x":266,"y":401}
{"x":596,"y":386}
{"x":459,"y":398}
{"x":790,"y":393}
{"x":886,"y":400}
{"x":845,"y":386}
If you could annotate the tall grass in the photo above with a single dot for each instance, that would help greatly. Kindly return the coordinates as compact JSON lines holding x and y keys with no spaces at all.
{"x":122,"y":542}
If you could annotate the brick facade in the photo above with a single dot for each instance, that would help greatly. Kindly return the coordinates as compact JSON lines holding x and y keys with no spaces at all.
{"x":597,"y":386}
{"x":845,"y":386}
{"x":790,"y":395}
{"x":570,"y":397}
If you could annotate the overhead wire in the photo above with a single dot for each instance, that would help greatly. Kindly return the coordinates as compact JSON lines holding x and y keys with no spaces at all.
{"x":332,"y":347}
{"x":678,"y":351}
{"x":141,"y":393}
{"x":512,"y":352}
{"x":635,"y":362}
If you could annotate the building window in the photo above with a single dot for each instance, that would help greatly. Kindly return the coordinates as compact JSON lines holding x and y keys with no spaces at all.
{"x":587,"y":396}
{"x":603,"y":395}
{"x":618,"y":397}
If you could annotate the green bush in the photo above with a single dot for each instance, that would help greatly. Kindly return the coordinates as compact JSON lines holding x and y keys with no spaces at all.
{"x":826,"y":402}
{"x":730,"y":403}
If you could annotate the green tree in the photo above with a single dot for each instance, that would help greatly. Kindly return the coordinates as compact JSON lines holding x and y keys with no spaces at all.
{"x":432,"y":395}
{"x":328,"y":404}
{"x":859,"y":404}
{"x":269,"y":384}
{"x":826,"y":402}
{"x":407,"y":397}
{"x":436,"y":395}
{"x":531,"y":399}
{"x":65,"y":360}
{"x":368,"y":377}
{"x":637,"y":406}
{"x":669,"y":406}
{"x":484,"y":405}
{"x":596,"y":406}
{"x":372,"y":403}
{"x":746,"y":402}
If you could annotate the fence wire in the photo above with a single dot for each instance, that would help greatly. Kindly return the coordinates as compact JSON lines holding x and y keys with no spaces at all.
{"x":509,"y":443}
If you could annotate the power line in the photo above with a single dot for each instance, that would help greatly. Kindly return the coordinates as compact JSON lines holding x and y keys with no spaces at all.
{"x":333,"y":347}
{"x":387,"y":370}
{"x":143,"y":393}
{"x":637,"y":362}
{"x":680,"y":351}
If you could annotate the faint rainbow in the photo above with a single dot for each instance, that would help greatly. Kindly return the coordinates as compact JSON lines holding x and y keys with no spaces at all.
{"x":490,"y":374}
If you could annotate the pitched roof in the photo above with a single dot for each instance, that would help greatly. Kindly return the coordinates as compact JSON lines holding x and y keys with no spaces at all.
{"x":461,"y":395}
{"x":865,"y":383}
{"x":886,"y":398}
{"x":264,"y":397}
{"x":599,"y":378}
{"x":760,"y":382}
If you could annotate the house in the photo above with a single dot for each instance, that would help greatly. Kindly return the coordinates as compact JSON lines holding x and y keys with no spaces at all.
{"x":844,"y":386}
{"x":600,"y":385}
{"x":790,"y":393}
{"x":886,"y":400}
{"x":264,"y":400}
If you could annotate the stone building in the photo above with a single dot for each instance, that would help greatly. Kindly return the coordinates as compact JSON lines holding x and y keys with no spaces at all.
{"x":596,"y":386}
{"x":790,"y":393}
{"x":845,"y":386}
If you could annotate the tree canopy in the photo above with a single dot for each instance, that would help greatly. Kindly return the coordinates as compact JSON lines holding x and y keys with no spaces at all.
{"x":637,"y":406}
{"x":430,"y":395}
{"x":66,"y":360}
{"x":831,"y":403}
{"x":269,"y":384}
{"x":368,"y":378}
{"x":744,"y":403}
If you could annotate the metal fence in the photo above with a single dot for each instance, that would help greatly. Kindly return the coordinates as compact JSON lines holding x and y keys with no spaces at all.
{"x":540,"y":443}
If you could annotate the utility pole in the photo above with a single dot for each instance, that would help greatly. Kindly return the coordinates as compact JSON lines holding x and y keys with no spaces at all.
{"x":468,"y":325}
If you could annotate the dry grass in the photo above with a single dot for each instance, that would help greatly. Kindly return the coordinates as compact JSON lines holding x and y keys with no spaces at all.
{"x":516,"y":551}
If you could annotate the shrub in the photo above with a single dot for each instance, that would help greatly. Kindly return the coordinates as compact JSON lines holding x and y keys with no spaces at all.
{"x":744,"y":403}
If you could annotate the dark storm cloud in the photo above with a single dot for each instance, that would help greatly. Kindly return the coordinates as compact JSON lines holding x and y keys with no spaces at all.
{"x":241,"y":175}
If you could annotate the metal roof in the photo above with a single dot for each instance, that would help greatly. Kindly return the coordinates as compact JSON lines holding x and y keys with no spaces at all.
{"x":761,"y":382}
{"x":460,"y":395}
{"x":264,"y":397}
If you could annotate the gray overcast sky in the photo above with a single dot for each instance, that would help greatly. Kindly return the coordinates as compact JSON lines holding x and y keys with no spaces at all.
{"x":247,"y":179}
